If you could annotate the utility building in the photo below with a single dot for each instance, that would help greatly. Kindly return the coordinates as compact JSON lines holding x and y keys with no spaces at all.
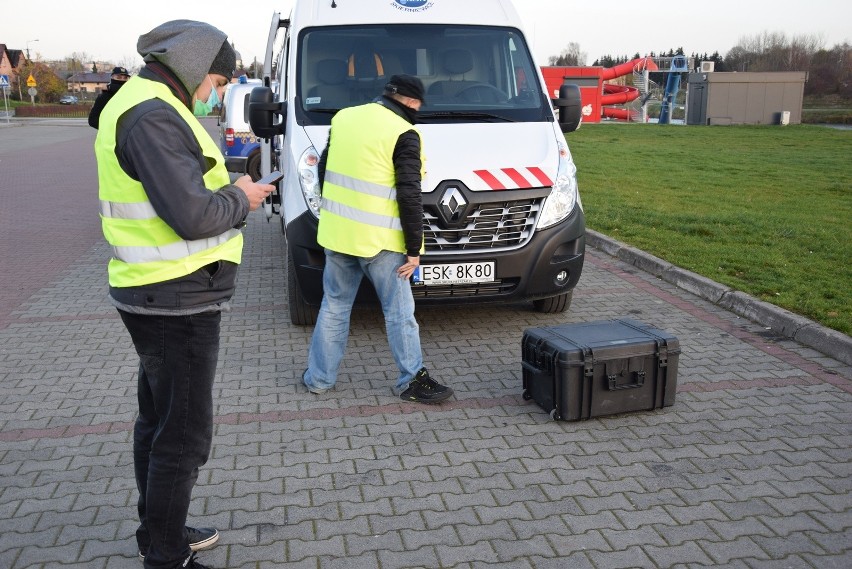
{"x":745,"y":98}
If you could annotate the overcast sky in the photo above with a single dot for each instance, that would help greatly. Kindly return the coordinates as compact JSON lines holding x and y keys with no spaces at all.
{"x":107,"y":30}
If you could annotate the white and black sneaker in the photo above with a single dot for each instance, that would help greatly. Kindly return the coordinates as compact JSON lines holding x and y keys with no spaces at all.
{"x":199,"y":538}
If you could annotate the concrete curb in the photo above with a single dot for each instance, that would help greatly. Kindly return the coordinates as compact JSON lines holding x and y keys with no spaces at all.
{"x":821,"y":338}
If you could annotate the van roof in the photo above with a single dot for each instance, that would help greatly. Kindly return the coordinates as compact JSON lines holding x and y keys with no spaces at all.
{"x":308,"y":13}
{"x":249,"y":86}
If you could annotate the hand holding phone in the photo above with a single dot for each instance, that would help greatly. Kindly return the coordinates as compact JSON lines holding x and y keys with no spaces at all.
{"x":271,"y":178}
{"x":257,"y":192}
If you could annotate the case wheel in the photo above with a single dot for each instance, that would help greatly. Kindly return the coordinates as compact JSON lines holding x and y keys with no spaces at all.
{"x":526,"y":395}
{"x":554,"y":414}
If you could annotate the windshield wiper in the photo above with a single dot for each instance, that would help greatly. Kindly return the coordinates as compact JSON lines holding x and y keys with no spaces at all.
{"x":463,"y":115}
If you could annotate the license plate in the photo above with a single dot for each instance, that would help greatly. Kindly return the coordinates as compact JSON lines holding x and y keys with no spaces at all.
{"x":454,"y":273}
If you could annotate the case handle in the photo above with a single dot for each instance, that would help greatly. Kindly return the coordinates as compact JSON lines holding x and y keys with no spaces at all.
{"x":638,"y":380}
{"x":632,"y":370}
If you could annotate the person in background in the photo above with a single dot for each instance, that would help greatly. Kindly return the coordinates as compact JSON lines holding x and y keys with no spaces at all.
{"x":372,"y":224}
{"x":118,"y":77}
{"x":173,"y":220}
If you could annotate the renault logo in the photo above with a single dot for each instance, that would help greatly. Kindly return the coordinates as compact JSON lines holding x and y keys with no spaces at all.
{"x":453,"y":205}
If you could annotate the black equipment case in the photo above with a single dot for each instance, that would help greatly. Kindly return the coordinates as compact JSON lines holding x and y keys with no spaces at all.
{"x":579,"y":371}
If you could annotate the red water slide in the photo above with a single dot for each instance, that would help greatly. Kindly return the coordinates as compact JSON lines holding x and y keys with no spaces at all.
{"x":621,"y":94}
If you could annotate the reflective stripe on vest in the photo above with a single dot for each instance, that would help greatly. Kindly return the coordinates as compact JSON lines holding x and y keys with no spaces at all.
{"x":142,"y":210}
{"x":377,"y":190}
{"x":145,"y":249}
{"x":173,"y":252}
{"x":360,"y":214}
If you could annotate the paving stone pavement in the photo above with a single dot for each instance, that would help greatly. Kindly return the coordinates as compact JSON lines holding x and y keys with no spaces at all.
{"x":751,"y":468}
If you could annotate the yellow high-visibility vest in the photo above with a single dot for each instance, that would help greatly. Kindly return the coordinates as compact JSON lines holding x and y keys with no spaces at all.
{"x":360,"y":214}
{"x":145,"y":249}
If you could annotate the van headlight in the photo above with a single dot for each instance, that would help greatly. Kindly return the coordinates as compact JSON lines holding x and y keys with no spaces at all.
{"x":309,"y":180}
{"x":563,"y":196}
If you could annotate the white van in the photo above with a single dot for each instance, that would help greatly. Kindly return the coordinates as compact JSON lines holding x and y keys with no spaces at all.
{"x":502,"y":215}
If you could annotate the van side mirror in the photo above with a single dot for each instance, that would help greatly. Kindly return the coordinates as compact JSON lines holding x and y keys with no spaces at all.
{"x":570,"y":107}
{"x":262,"y":111}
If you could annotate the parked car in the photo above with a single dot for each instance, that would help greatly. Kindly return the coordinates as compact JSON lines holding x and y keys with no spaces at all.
{"x":68,"y":100}
{"x":238,"y":143}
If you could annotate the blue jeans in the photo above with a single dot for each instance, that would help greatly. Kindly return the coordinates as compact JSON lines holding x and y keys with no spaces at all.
{"x":340,"y":281}
{"x":174,"y":429}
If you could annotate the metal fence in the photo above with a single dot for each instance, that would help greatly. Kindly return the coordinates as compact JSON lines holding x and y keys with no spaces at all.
{"x":52,"y":111}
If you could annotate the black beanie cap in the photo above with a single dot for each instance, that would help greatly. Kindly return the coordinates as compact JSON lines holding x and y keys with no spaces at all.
{"x":407,"y":85}
{"x":225,"y":62}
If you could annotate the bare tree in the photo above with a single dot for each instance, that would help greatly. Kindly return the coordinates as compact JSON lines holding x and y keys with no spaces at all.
{"x":773,"y":51}
{"x":830,"y":72}
{"x":78,"y":62}
{"x":129,"y":63}
{"x":802,"y":50}
{"x":571,"y":56}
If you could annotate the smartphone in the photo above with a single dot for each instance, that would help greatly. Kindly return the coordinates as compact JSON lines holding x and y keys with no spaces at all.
{"x":271,"y":178}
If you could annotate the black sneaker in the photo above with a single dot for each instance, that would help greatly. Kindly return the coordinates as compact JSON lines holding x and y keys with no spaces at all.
{"x":199,"y":538}
{"x":191,"y":563}
{"x":424,"y":389}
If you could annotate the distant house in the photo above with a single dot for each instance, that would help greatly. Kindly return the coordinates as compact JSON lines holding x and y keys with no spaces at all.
{"x":11,"y":63}
{"x":88,"y":82}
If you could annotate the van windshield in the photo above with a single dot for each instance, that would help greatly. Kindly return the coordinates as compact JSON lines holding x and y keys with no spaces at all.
{"x":471,"y":73}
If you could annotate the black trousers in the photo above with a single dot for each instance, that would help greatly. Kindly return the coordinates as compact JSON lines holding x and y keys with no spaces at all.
{"x":174,"y":429}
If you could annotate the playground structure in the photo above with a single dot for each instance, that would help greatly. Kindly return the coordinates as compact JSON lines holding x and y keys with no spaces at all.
{"x":599,"y":99}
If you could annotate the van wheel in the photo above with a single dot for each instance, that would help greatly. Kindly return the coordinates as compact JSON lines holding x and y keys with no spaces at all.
{"x":554,"y":304}
{"x":253,"y":166}
{"x":301,"y":313}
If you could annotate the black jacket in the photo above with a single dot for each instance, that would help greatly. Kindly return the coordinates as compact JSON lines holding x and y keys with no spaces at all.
{"x":407,"y":165}
{"x":102,"y":100}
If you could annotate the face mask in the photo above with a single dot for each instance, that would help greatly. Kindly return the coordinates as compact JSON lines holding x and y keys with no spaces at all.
{"x":410,"y":113}
{"x":202,"y":109}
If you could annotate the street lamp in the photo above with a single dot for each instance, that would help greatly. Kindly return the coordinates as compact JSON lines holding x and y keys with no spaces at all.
{"x":28,"y":48}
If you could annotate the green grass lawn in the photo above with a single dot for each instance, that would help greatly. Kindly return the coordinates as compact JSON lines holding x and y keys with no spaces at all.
{"x":766,"y":210}
{"x":829,"y":109}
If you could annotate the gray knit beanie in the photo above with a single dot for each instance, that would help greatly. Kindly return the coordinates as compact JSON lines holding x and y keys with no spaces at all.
{"x":189,"y":49}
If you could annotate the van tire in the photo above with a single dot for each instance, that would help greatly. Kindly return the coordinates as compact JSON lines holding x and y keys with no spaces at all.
{"x":253,"y":166}
{"x":301,"y":313}
{"x":554,"y":304}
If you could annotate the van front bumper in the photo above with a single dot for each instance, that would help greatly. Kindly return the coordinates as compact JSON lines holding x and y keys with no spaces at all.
{"x":528,"y":273}
{"x":548,"y":265}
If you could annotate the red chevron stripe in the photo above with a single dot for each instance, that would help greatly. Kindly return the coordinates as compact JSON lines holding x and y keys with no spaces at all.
{"x":490,"y":179}
{"x":540,"y":176}
{"x":516,"y":177}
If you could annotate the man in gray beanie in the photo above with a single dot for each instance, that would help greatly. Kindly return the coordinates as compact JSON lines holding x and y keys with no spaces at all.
{"x":173,"y":220}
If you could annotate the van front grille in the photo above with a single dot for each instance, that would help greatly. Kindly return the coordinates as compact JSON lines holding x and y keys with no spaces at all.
{"x":488,"y":226}
{"x":496,"y":288}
